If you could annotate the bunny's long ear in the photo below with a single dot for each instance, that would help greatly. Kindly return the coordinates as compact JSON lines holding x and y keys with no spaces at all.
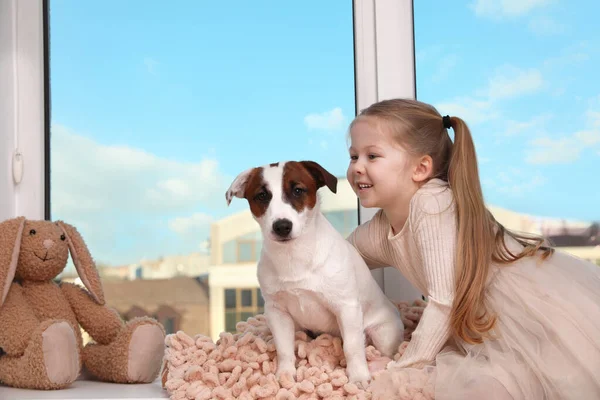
{"x":11,"y":232}
{"x":82,"y":259}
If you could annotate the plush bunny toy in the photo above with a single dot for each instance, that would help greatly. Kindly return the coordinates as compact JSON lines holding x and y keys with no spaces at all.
{"x":40,"y":339}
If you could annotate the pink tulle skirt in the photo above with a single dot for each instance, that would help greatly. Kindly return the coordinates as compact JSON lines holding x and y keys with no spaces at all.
{"x":548,"y":339}
{"x":548,"y":331}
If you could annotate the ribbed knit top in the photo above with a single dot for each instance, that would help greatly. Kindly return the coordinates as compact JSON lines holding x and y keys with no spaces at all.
{"x":424,"y":252}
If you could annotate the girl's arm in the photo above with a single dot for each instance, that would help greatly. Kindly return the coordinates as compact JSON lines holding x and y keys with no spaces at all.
{"x":368,"y":241}
{"x":434,"y":229}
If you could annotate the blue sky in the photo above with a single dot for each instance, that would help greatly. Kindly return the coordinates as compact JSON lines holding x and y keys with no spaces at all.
{"x":155,"y":109}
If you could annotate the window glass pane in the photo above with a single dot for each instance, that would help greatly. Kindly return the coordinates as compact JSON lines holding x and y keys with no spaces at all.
{"x":258,"y":244}
{"x":524,"y":80}
{"x":230,"y":298}
{"x":245,"y":315}
{"x":152,"y":120}
{"x":247,"y":298}
{"x":231,"y":320}
{"x":251,"y":236}
{"x":246,"y":252}
{"x":230,"y":252}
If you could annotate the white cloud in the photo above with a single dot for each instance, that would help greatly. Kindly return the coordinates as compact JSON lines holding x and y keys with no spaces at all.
{"x":89,"y":176}
{"x":189,"y":225}
{"x":594,"y":118}
{"x":471,"y":110}
{"x":122,"y":198}
{"x":329,"y":121}
{"x":567,"y":148}
{"x":533,"y":125}
{"x":499,"y":10}
{"x":506,"y":8}
{"x":193,"y":231}
{"x":553,"y":151}
{"x":569,"y":56}
{"x":506,"y":82}
{"x":515,"y":182}
{"x":509,"y":81}
{"x":587,"y":138}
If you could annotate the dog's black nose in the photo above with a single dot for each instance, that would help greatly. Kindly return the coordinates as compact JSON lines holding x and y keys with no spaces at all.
{"x":282,"y":227}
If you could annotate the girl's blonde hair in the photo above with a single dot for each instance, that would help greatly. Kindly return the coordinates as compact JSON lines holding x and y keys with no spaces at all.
{"x":421,"y":130}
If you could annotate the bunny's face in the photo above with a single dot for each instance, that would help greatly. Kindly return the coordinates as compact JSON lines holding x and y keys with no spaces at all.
{"x":38,"y":250}
{"x":44,"y":251}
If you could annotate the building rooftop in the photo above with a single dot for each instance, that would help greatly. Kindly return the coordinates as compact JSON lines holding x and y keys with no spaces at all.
{"x":123,"y":294}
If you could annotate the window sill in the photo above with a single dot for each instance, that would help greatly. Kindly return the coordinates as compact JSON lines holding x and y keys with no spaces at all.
{"x":90,"y":390}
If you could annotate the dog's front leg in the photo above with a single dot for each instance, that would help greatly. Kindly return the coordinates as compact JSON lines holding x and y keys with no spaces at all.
{"x":350,"y":320}
{"x":282,"y":327}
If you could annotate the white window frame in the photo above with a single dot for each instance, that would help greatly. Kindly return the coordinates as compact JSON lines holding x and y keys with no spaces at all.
{"x":22,"y":108}
{"x":384,"y":68}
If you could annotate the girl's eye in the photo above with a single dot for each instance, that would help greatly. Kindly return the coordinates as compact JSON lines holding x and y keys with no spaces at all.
{"x":372,"y":156}
{"x":353,"y":157}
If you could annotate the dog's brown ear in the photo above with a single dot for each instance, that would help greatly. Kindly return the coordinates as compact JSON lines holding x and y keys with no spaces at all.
{"x":321,"y":175}
{"x":11,"y":232}
{"x":238,"y":186}
{"x":83,"y":261}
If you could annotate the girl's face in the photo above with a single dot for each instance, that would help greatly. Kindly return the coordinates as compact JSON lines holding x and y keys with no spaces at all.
{"x":380,"y":170}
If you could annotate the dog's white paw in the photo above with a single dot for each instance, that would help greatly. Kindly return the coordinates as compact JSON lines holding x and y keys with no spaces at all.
{"x":286,"y":371}
{"x":359,"y":374}
{"x":286,"y":376}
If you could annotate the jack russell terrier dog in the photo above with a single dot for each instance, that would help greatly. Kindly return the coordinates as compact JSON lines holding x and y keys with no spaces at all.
{"x":310,"y":276}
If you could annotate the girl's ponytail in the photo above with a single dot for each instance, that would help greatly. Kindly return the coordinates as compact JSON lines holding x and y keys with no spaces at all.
{"x":480,"y":241}
{"x":474,"y":252}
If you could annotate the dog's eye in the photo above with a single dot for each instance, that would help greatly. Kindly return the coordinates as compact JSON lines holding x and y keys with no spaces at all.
{"x":262,"y":196}
{"x":298,"y":191}
{"x":32,"y":232}
{"x":62,"y":237}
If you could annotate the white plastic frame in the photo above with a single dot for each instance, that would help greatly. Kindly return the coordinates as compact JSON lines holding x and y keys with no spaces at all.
{"x":384,"y":68}
{"x":22,"y":105}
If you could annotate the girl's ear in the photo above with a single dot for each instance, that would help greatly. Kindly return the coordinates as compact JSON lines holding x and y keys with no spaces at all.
{"x":423,"y":169}
{"x":11,"y":232}
{"x":84,"y":264}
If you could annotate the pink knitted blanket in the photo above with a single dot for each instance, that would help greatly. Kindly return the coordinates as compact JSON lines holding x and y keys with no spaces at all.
{"x":242,"y":366}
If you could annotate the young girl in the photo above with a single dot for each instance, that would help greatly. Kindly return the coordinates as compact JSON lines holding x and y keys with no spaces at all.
{"x":507,"y":316}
